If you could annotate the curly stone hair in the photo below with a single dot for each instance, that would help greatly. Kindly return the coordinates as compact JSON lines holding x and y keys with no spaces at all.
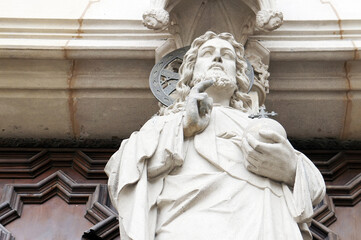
{"x":161,"y":15}
{"x":263,"y":17}
{"x":240,"y":99}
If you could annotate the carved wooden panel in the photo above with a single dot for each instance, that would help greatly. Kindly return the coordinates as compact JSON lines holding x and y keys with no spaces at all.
{"x":342,"y":173}
{"x":29,"y":163}
{"x":34,"y":177}
{"x":54,"y":219}
{"x":76,"y":176}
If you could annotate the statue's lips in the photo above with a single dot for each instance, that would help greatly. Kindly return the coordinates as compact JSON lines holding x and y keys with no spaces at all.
{"x":216,"y":66}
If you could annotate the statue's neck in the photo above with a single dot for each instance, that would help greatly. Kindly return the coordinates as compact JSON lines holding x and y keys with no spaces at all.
{"x":220,"y":96}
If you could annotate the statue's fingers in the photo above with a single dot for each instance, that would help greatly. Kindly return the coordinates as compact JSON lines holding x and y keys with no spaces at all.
{"x":246,"y":148}
{"x":205,"y":104}
{"x":253,"y":160}
{"x":249,"y":152}
{"x":250,"y":167}
{"x":202,"y":110}
{"x":208,"y":102}
{"x":258,"y":157}
{"x":202,"y":86}
{"x":200,"y":96}
{"x":255,"y":144}
{"x":271,"y":135}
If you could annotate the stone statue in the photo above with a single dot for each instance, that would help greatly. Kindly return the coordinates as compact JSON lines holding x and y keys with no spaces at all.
{"x":202,"y":169}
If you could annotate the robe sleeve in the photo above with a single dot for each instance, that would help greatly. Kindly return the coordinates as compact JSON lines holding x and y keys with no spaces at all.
{"x":136,"y":173}
{"x":308,"y":190}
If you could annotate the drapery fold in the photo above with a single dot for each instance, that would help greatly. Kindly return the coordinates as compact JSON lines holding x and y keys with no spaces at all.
{"x":136,"y":171}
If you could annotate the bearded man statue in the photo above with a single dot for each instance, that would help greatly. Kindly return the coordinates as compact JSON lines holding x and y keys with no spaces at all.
{"x":193,"y":171}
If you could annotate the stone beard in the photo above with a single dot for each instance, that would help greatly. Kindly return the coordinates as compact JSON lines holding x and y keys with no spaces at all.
{"x":221,"y":79}
{"x":198,"y":173}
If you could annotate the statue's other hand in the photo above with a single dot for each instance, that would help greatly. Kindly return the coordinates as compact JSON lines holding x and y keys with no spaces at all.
{"x":198,"y":109}
{"x":276,"y":160}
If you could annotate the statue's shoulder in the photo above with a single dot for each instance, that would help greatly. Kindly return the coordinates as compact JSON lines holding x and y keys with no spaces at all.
{"x":159,"y":121}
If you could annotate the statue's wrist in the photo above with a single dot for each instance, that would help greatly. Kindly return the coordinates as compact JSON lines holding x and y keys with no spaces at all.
{"x":290,"y":181}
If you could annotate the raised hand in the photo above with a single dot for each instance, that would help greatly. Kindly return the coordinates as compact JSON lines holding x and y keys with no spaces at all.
{"x":198,"y":109}
{"x":276,"y":160}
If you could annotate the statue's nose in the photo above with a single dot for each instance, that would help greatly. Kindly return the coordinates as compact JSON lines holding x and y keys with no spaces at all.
{"x":217,"y":59}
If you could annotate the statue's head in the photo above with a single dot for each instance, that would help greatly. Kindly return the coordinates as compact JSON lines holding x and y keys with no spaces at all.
{"x":229,"y":69}
{"x":156,"y":19}
{"x":269,"y":20}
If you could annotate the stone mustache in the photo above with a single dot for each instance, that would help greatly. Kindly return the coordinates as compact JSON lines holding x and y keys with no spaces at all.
{"x":201,"y":169}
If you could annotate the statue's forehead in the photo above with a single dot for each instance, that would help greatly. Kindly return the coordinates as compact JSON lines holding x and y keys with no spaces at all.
{"x":217,"y":43}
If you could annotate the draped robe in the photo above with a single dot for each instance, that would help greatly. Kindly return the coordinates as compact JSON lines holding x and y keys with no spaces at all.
{"x":168,"y":187}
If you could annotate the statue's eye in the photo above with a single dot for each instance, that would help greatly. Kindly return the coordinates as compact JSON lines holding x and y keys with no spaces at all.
{"x":206,"y":54}
{"x":228,"y":55}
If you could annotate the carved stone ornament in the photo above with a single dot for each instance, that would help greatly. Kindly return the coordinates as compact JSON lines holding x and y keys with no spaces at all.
{"x":156,"y":19}
{"x":268,"y":20}
{"x":187,"y":19}
{"x":164,"y":76}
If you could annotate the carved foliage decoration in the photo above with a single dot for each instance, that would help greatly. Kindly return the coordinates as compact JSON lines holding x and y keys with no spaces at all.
{"x":187,"y":19}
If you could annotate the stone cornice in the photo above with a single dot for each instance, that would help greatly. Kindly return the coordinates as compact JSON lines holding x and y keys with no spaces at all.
{"x":102,"y":38}
{"x":78,"y":38}
{"x":314,"y":40}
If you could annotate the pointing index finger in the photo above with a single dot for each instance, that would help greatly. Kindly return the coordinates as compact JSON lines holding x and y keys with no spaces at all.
{"x":202,"y":86}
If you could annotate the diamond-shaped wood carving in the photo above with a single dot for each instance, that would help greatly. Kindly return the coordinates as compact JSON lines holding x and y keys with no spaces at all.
{"x":347,"y":194}
{"x":94,"y":196}
{"x":25,"y":163}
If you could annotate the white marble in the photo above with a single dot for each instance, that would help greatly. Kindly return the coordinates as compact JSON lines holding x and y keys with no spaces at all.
{"x":203,"y":169}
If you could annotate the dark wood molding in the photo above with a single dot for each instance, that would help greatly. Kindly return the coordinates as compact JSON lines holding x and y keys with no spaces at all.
{"x":300,"y":144}
{"x":5,"y":234}
{"x":105,"y":219}
{"x":16,"y":195}
{"x":107,"y":229}
{"x":94,"y":196}
{"x":91,"y":164}
{"x":324,"y":213}
{"x":60,"y":143}
{"x":325,"y":144}
{"x":348,"y":194}
{"x":30,"y":163}
{"x":333,"y":165}
{"x":321,"y":232}
{"x":340,"y":169}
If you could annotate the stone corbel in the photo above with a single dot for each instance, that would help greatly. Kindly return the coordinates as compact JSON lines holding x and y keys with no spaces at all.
{"x":156,"y":17}
{"x":259,"y":57}
{"x":268,"y":18}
